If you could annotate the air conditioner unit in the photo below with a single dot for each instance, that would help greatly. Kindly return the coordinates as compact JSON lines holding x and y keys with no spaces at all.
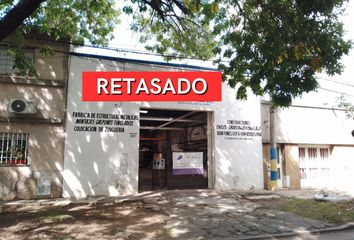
{"x":21,"y":106}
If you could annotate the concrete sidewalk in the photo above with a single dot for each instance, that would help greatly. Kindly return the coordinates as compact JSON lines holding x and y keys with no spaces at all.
{"x":180,"y":214}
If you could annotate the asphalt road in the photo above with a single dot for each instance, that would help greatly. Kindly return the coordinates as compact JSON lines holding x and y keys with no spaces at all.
{"x":337,"y":235}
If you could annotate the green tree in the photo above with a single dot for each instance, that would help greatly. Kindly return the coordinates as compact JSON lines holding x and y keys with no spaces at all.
{"x":272,"y":47}
{"x":92,"y":21}
{"x":76,"y":20}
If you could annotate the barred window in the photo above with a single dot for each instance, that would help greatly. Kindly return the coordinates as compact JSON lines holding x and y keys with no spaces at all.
{"x":13,"y":149}
{"x":314,"y":162}
{"x":312,"y":153}
{"x":7,"y":62}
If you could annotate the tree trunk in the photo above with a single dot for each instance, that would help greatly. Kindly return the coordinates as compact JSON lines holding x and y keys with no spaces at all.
{"x":17,"y":15}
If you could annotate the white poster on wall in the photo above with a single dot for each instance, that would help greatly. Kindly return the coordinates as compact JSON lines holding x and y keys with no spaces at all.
{"x":187,"y":163}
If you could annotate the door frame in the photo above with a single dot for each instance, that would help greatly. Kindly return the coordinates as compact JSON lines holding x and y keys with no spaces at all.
{"x":210,"y":141}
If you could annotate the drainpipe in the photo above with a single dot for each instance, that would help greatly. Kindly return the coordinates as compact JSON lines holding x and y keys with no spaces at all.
{"x":273,"y":151}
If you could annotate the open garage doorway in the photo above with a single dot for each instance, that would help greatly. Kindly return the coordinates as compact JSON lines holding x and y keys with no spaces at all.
{"x":174,"y":149}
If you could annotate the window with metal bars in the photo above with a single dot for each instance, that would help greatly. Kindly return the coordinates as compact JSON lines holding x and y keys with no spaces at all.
{"x":7,"y":62}
{"x":13,"y":149}
{"x":314,"y":162}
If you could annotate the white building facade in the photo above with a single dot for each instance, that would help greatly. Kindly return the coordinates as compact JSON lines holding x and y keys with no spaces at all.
{"x":104,"y":160}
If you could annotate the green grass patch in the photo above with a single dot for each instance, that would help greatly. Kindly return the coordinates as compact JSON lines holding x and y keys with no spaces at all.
{"x":325,"y":211}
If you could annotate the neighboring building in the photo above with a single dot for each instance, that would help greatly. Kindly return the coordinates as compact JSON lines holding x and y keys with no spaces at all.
{"x":315,"y":146}
{"x":32,"y":140}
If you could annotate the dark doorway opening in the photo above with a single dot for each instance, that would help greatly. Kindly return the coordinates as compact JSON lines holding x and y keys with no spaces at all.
{"x":173,"y":150}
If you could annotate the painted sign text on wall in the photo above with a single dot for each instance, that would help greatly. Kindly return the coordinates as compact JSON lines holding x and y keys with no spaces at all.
{"x":238,"y":130}
{"x":102,"y":122}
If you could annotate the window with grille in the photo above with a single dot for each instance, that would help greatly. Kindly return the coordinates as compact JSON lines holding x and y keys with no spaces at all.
{"x":314,"y":162}
{"x":13,"y":149}
{"x":7,"y":62}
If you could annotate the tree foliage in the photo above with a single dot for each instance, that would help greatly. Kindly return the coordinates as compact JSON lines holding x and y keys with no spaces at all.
{"x":91,"y":20}
{"x":77,"y":20}
{"x":271,"y":47}
{"x":343,"y":102}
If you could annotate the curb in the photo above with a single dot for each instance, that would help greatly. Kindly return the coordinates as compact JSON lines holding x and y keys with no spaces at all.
{"x":345,"y":226}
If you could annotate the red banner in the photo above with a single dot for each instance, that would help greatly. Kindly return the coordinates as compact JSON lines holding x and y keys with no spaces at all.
{"x":151,"y":86}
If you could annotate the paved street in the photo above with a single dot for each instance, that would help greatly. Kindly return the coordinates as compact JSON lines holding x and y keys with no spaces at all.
{"x":183,"y":214}
{"x":337,"y":235}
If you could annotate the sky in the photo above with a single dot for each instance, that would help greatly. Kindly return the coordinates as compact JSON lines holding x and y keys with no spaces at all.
{"x":330,"y":86}
{"x":344,"y":83}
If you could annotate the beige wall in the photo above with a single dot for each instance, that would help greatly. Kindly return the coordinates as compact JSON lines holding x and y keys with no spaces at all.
{"x":266,"y":162}
{"x":49,"y":100}
{"x":46,"y":128}
{"x":50,"y":67}
{"x":291,"y":155}
{"x":341,"y":168}
{"x":290,"y":165}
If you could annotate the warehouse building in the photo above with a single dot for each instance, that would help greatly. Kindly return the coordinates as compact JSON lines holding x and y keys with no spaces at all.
{"x":127,"y":147}
{"x":53,"y":144}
